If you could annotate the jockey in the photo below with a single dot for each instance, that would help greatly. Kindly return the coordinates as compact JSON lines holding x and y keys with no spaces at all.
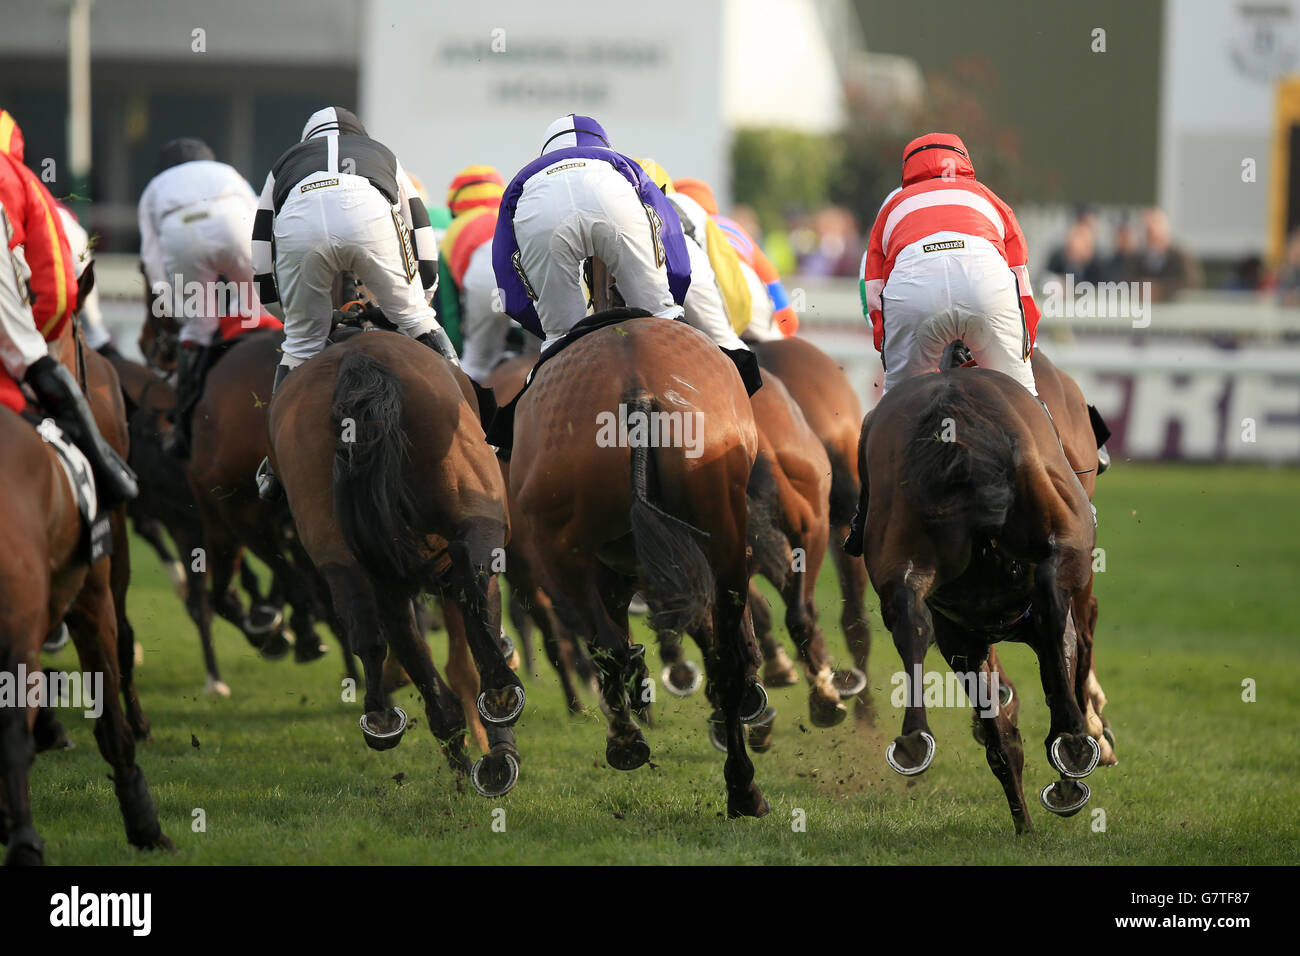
{"x":947,"y":260}
{"x":40,"y":267}
{"x":718,"y":302}
{"x":91,"y":317}
{"x":340,"y":201}
{"x":773,"y":317}
{"x":579,"y":199}
{"x":196,"y":222}
{"x":467,"y":287}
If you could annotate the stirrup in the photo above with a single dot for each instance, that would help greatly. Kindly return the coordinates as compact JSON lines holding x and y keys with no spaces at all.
{"x":268,"y":485}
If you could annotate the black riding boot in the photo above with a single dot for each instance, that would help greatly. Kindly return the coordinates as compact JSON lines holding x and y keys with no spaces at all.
{"x":439,"y":341}
{"x":268,"y":486}
{"x":59,"y":394}
{"x":1102,"y":432}
{"x":192,"y":363}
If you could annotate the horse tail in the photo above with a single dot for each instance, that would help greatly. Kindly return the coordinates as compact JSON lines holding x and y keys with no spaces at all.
{"x":674,"y":567}
{"x":771,"y":548}
{"x":844,"y":490}
{"x":960,"y":466}
{"x":375,"y":509}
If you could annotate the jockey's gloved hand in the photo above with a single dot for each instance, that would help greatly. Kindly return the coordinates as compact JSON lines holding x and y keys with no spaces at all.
{"x":59,"y":394}
{"x":437,"y":340}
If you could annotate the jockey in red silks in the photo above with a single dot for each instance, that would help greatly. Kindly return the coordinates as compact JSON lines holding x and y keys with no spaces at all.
{"x":37,"y":300}
{"x":947,"y":260}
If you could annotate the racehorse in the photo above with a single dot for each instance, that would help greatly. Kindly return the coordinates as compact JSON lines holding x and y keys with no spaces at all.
{"x":832,"y":410}
{"x":529,"y":604}
{"x":978,"y":531}
{"x":609,"y":510}
{"x":41,"y":528}
{"x":379,"y":447}
{"x":166,"y":501}
{"x":789,"y":494}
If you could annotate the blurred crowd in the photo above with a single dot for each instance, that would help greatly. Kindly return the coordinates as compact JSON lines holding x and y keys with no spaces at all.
{"x":1141,"y":250}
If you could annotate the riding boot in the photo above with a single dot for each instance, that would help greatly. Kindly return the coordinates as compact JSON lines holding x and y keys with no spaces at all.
{"x":1102,"y":433}
{"x":747,"y":365}
{"x":59,"y":394}
{"x":192,"y":362}
{"x":268,"y":485}
{"x":438,"y":340}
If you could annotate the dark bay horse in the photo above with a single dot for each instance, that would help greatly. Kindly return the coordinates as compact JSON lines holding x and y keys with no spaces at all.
{"x":394,"y":491}
{"x":978,"y":531}
{"x":611,"y":508}
{"x":40,"y":528}
{"x":166,"y":507}
{"x":833,"y":412}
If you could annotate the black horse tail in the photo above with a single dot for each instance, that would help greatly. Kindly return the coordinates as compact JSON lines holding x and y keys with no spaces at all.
{"x":771,"y":548}
{"x":375,"y":509}
{"x":844,"y":491}
{"x":960,"y":467}
{"x":674,"y":568}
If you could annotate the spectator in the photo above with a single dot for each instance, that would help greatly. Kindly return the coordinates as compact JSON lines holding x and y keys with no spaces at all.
{"x":1165,"y":265}
{"x":1122,"y":264}
{"x":1078,"y":255}
{"x":1288,"y":280}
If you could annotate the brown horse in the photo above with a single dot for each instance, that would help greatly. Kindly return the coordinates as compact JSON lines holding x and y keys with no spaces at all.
{"x":393,"y":490}
{"x":611,"y":509}
{"x":166,"y":507}
{"x":978,"y":531}
{"x":832,"y":410}
{"x":230,"y":439}
{"x":529,"y":604}
{"x":40,"y":527}
{"x":789,"y":528}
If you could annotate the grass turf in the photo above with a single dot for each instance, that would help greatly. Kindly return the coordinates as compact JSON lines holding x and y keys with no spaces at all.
{"x":1199,"y":594}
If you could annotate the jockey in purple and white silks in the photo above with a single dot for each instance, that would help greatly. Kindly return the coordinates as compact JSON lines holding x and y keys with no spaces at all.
{"x":581,"y":198}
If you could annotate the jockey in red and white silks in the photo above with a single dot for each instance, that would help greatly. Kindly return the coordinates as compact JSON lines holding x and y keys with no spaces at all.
{"x":947,"y":260}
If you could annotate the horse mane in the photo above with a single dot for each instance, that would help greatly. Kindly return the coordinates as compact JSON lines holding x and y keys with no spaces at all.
{"x":970,"y":478}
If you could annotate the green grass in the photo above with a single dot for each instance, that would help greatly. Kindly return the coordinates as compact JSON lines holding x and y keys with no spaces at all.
{"x":1199,"y":593}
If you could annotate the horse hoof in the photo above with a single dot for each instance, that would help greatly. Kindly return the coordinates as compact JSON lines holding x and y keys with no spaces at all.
{"x":509,"y":651}
{"x":718,"y":731}
{"x":262,"y":619}
{"x":780,"y":670}
{"x":309,"y":649}
{"x":1065,"y":798}
{"x":826,"y":713}
{"x":25,"y":848}
{"x":752,"y":803}
{"x":1087,"y":761}
{"x":753,"y":703}
{"x":907,"y":747}
{"x":760,"y":732}
{"x":848,"y":682}
{"x":276,"y":646}
{"x":57,"y":640}
{"x":682,"y":679}
{"x":384,"y":740}
{"x":501,"y":706}
{"x":627,"y":753}
{"x":216,"y":688}
{"x":494,"y":774}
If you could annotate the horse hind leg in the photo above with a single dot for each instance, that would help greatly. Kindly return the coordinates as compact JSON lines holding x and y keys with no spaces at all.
{"x":852,"y":573}
{"x":1051,"y":632}
{"x":17,"y":753}
{"x":1002,"y":746}
{"x":902,"y":604}
{"x":778,"y":669}
{"x":475,"y":590}
{"x":92,"y":622}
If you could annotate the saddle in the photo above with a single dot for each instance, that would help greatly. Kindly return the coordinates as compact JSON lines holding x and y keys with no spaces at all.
{"x":96,"y":532}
